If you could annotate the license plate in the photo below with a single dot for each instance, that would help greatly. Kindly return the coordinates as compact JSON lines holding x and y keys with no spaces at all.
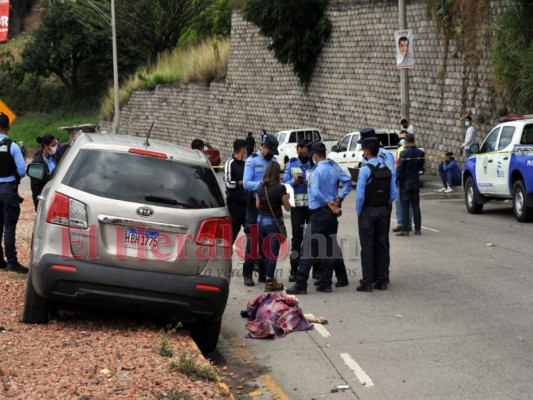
{"x":140,"y":239}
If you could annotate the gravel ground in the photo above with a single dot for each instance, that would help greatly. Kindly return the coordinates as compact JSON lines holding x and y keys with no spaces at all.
{"x":91,"y":355}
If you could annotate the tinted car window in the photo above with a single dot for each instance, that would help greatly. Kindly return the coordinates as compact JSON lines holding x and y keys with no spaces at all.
{"x":292,"y":137}
{"x":353,"y":144}
{"x":527,"y":135}
{"x":131,"y":177}
{"x":344,"y":144}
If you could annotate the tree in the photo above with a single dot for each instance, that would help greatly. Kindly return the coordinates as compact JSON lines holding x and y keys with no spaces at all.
{"x":298,"y":30}
{"x":61,"y":45}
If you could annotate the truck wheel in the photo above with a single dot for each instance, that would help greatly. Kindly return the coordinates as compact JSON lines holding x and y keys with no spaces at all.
{"x":522,"y":211}
{"x":472,"y":205}
{"x":205,"y":334}
{"x":36,"y":308}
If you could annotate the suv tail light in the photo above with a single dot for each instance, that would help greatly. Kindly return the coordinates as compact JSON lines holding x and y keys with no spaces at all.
{"x":67,"y":212}
{"x":215,"y":232}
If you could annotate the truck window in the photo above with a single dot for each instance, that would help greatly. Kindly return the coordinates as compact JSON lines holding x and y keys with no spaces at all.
{"x":300,"y":135}
{"x":527,"y":135}
{"x":308,"y":136}
{"x":490,"y":142}
{"x":316,"y":136}
{"x":292,"y":138}
{"x":353,"y":144}
{"x":506,"y":137}
{"x":384,"y":139}
{"x":344,"y":144}
{"x":281,"y":137}
{"x":394,"y":140}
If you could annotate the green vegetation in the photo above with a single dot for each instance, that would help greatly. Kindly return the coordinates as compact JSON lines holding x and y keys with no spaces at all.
{"x":203,"y":63}
{"x":187,"y":365}
{"x":59,"y":73}
{"x":298,"y":30}
{"x":31,"y":125}
{"x":512,"y":57}
{"x":174,"y":395}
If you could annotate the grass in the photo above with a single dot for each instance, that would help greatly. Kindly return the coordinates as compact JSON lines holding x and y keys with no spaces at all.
{"x":204,"y":63}
{"x":187,"y":365}
{"x":27,"y":127}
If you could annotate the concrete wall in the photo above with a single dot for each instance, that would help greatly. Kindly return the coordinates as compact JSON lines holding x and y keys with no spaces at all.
{"x":355,"y":84}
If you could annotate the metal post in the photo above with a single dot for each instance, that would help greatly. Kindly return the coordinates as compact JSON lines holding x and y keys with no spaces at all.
{"x":116,"y":120}
{"x":404,"y":73}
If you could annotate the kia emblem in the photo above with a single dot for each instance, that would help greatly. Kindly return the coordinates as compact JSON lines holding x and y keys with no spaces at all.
{"x":145,"y":211}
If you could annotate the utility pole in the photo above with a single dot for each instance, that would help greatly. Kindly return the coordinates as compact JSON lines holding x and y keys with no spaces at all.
{"x":116,"y":120}
{"x":404,"y":73}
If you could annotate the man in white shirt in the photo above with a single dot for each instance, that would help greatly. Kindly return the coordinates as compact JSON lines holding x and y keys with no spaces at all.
{"x":407,"y":126}
{"x":469,"y":136}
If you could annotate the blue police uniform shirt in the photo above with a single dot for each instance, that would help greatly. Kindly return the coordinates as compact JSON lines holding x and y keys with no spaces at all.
{"x":323,"y":184}
{"x":51,"y":164}
{"x":254,"y":169}
{"x":362,"y":180}
{"x":19,"y":161}
{"x":288,"y":178}
{"x":387,"y":158}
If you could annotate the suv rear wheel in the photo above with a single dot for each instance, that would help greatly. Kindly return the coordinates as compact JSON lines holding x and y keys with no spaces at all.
{"x":36,"y":308}
{"x":205,"y":334}
{"x":522,"y":211}
{"x":472,"y":205}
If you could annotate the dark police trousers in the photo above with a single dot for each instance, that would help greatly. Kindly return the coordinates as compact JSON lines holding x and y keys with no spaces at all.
{"x":237,"y":212}
{"x":374,"y":225}
{"x":410,"y":196}
{"x":9,"y":216}
{"x":248,"y":266}
{"x":319,"y":245}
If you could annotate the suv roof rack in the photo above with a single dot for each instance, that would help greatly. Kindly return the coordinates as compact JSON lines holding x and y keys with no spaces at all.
{"x":515,"y":117}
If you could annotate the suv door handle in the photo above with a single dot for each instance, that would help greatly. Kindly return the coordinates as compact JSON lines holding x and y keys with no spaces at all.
{"x":490,"y":160}
{"x":505,"y":158}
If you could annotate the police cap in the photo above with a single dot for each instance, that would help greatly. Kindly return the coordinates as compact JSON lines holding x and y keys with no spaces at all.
{"x":366,"y":133}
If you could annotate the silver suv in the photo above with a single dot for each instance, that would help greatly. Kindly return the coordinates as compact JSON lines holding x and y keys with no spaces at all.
{"x":129,"y":226}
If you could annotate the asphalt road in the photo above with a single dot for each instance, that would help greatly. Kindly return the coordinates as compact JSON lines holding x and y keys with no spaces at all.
{"x":456,"y":322}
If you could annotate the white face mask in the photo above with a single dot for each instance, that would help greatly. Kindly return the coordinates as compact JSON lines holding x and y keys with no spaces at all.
{"x":53,"y":149}
{"x":402,"y":142}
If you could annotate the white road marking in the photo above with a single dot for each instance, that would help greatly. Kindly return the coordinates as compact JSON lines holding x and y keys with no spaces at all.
{"x":323,"y":331}
{"x":359,"y":372}
{"x":423,"y":227}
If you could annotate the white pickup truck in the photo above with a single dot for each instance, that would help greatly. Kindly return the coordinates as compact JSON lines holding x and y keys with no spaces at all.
{"x":349,"y":152}
{"x":502,"y":168}
{"x":288,"y":139}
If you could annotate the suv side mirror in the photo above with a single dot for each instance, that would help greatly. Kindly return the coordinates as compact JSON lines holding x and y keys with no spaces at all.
{"x":36,"y":171}
{"x":474,"y":148}
{"x":334,"y":148}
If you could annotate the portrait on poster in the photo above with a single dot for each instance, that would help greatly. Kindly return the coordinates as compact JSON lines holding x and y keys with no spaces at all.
{"x":404,"y":49}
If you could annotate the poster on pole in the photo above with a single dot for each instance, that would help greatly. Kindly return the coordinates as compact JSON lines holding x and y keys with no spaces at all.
{"x":4,"y":19}
{"x":404,"y":49}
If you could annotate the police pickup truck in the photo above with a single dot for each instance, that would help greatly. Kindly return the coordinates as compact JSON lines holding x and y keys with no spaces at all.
{"x":502,"y":168}
{"x":288,"y":139}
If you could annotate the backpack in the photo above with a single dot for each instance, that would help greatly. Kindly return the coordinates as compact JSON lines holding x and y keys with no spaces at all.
{"x":377,"y":191}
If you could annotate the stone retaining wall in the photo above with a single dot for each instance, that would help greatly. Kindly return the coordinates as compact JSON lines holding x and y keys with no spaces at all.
{"x":355,"y":84}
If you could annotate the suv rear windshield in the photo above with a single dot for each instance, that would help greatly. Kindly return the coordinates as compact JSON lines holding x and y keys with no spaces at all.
{"x":143,"y":179}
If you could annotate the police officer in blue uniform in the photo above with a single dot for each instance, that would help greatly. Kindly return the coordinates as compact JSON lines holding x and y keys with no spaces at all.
{"x":384,"y":156}
{"x":296,"y":176}
{"x":254,"y":169}
{"x":12,"y":169}
{"x":375,"y":192}
{"x":323,"y":206}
